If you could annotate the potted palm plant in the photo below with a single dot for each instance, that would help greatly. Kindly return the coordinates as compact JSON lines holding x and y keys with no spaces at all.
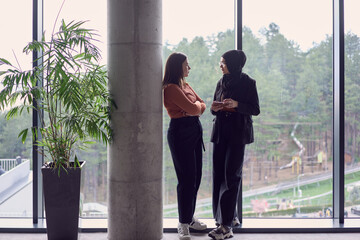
{"x":73,"y":103}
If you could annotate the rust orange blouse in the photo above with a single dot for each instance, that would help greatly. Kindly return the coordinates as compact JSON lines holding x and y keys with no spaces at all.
{"x":181,"y":102}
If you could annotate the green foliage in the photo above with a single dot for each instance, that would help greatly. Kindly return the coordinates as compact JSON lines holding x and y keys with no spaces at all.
{"x":354,"y":194}
{"x":293,"y":86}
{"x":70,"y":88}
{"x":10,"y":145}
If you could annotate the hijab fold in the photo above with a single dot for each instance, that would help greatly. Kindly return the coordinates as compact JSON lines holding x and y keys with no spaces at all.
{"x":235,"y":61}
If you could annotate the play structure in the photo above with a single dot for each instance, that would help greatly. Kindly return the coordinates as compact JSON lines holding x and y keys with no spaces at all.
{"x":319,"y":158}
{"x":296,"y":159}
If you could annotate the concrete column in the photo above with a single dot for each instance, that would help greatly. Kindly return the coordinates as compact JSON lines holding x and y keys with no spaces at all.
{"x":135,"y":156}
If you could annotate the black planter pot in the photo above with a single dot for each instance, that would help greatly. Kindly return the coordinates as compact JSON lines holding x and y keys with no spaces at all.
{"x":62,"y":198}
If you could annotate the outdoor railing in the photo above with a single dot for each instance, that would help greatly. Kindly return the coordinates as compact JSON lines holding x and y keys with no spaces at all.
{"x":14,"y":175}
{"x":8,"y":164}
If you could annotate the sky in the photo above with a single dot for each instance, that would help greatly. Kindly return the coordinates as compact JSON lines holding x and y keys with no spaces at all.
{"x":303,"y":21}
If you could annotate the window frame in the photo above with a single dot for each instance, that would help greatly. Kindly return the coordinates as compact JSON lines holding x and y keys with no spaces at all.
{"x":336,"y":224}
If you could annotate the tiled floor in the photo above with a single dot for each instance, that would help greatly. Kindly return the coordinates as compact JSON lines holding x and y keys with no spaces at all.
{"x":198,"y":236}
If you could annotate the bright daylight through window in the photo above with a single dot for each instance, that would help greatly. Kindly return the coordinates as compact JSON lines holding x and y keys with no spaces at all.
{"x":288,"y":170}
{"x":352,"y":110}
{"x":203,"y":40}
{"x":93,"y":196}
{"x":15,"y":157}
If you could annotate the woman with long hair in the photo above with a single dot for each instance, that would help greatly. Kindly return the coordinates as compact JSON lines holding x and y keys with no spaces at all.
{"x":184,"y":137}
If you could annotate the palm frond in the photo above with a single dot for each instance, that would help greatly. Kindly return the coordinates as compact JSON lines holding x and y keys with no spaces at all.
{"x":72,"y":87}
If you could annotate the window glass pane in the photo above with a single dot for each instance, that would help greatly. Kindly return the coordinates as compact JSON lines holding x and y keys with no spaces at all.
{"x":203,"y":30}
{"x":15,"y":157}
{"x":93,"y":195}
{"x":288,"y":169}
{"x":352,"y":110}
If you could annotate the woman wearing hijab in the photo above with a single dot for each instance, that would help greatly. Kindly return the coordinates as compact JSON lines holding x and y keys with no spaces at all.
{"x":235,"y":101}
{"x":184,"y":107}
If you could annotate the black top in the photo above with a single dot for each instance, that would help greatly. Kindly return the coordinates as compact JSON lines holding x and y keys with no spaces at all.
{"x":241,"y":88}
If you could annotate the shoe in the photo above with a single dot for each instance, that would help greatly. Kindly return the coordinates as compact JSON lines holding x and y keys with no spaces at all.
{"x":197,"y":225}
{"x":220,"y":233}
{"x":235,"y":222}
{"x":183,"y":231}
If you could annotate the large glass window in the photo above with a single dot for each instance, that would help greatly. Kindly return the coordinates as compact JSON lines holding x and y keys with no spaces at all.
{"x":352,"y":109}
{"x":15,"y":157}
{"x":94,"y":175}
{"x":203,"y":30}
{"x":288,"y":169}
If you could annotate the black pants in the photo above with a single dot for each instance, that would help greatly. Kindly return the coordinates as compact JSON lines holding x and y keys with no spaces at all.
{"x":228,"y":158}
{"x":185,"y":142}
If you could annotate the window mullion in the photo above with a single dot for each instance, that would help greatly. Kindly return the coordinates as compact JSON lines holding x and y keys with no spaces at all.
{"x":339,"y":109}
{"x":38,"y":210}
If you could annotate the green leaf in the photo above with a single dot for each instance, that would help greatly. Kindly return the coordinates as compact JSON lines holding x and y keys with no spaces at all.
{"x":4,"y":61}
{"x":76,"y":160}
{"x":71,"y":100}
{"x":23,"y":135}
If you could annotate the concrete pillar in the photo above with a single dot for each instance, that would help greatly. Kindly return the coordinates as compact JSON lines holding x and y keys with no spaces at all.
{"x":135,"y":156}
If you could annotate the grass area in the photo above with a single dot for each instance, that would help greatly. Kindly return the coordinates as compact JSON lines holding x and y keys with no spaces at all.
{"x":308,"y":202}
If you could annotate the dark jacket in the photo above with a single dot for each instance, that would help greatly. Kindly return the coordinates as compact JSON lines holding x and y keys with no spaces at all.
{"x":242,"y":89}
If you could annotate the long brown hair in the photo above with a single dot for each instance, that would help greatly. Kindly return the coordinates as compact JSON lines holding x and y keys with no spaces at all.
{"x":173,"y":69}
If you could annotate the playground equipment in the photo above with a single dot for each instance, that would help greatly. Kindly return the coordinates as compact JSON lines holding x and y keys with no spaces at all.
{"x":296,"y":159}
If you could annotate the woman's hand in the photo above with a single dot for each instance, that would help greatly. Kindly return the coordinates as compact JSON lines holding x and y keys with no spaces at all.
{"x":230,"y":103}
{"x":217,"y":106}
{"x":190,"y":115}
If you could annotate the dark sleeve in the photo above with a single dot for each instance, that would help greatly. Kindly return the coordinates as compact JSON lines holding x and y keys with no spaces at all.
{"x":252,"y":106}
{"x":214,"y":98}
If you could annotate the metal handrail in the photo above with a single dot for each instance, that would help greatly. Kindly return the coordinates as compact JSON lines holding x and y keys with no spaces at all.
{"x":8,"y":164}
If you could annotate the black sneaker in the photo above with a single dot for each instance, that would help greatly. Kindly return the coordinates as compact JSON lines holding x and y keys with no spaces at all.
{"x":221,"y":233}
{"x":235,"y":222}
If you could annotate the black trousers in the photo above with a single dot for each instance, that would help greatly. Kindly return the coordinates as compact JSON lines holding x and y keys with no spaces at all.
{"x":185,"y":142}
{"x":228,"y":158}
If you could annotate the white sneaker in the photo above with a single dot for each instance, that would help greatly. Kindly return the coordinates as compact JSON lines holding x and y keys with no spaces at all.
{"x":183,"y":231}
{"x":197,"y":225}
{"x":221,"y":233}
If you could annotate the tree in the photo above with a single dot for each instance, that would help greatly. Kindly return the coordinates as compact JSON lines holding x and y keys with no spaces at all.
{"x":10,"y":145}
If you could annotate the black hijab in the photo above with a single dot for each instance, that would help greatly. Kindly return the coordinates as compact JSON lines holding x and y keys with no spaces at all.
{"x":235,"y":61}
